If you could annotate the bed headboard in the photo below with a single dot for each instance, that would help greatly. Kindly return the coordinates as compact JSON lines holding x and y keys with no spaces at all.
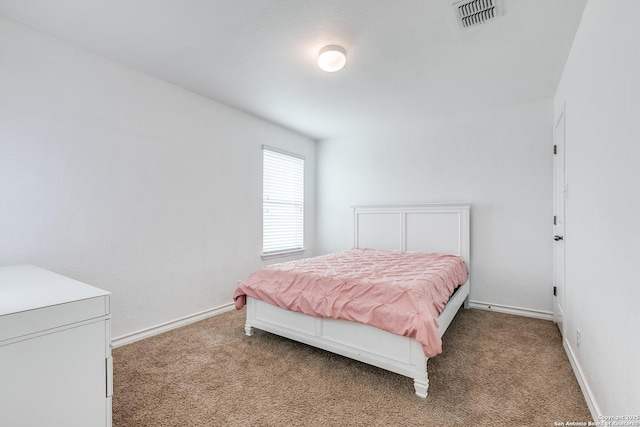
{"x":428,"y":227}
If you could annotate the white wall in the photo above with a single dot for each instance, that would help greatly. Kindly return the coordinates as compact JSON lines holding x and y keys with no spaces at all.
{"x":602,"y":93}
{"x":128,"y":183}
{"x":500,"y":160}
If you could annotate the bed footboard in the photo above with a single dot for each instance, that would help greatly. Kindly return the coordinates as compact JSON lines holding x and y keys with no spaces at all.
{"x":358,"y":341}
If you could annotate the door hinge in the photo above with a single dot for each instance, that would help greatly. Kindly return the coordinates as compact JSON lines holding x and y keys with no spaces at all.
{"x":555,"y":149}
{"x":555,"y":220}
{"x":555,"y":291}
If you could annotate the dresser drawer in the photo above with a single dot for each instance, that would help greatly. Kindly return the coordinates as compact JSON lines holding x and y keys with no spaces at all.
{"x":16,"y":325}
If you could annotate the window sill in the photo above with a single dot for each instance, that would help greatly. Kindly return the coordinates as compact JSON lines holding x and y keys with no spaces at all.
{"x":282,"y":254}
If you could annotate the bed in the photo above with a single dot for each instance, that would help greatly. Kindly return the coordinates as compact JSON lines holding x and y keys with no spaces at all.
{"x":412,"y":229}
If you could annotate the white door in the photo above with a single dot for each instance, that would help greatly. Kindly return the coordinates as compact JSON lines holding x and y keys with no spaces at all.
{"x":560,"y":194}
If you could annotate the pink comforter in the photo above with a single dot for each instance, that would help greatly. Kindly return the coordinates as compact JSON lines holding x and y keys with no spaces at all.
{"x":402,"y":293}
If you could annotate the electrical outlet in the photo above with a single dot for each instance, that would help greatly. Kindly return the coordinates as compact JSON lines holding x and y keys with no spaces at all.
{"x":578,"y":338}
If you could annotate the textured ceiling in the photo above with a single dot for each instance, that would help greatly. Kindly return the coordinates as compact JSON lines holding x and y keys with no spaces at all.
{"x":407,"y":59}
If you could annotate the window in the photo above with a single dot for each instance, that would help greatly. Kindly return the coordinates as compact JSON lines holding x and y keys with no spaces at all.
{"x":282,"y":202}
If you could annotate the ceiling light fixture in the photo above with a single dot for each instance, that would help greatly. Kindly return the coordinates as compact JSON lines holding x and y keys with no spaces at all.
{"x":332,"y":58}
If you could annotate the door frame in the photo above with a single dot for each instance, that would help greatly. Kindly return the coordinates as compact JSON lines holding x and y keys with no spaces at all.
{"x":559,"y":223}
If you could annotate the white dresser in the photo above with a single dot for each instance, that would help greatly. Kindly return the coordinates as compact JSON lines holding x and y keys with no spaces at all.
{"x":55,"y":353}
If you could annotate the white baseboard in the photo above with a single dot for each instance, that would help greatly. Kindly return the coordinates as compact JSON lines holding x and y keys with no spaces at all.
{"x":167,"y":326}
{"x":584,"y":385}
{"x":518,"y":311}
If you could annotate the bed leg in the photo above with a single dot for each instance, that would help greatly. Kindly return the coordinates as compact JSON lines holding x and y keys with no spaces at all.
{"x":248,"y":329}
{"x":421,"y":380}
{"x":466,"y":302}
{"x":421,"y":387}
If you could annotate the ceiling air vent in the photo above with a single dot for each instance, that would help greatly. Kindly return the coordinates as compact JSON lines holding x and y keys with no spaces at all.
{"x":471,"y":13}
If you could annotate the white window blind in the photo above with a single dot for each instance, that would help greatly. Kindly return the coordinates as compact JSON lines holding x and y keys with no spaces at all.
{"x":283,"y":202}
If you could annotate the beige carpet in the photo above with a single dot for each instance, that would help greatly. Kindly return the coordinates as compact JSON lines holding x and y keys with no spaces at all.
{"x":496,"y":370}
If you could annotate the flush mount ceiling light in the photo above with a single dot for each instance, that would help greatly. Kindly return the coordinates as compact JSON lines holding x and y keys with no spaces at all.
{"x":332,"y":58}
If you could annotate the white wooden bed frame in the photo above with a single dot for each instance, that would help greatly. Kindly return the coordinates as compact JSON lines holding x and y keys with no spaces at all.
{"x":433,"y":227}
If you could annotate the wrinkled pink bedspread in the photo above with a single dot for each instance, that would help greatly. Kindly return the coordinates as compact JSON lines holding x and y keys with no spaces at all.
{"x":402,"y":293}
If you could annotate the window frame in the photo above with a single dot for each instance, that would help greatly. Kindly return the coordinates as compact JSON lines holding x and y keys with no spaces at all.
{"x":290,"y":250}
